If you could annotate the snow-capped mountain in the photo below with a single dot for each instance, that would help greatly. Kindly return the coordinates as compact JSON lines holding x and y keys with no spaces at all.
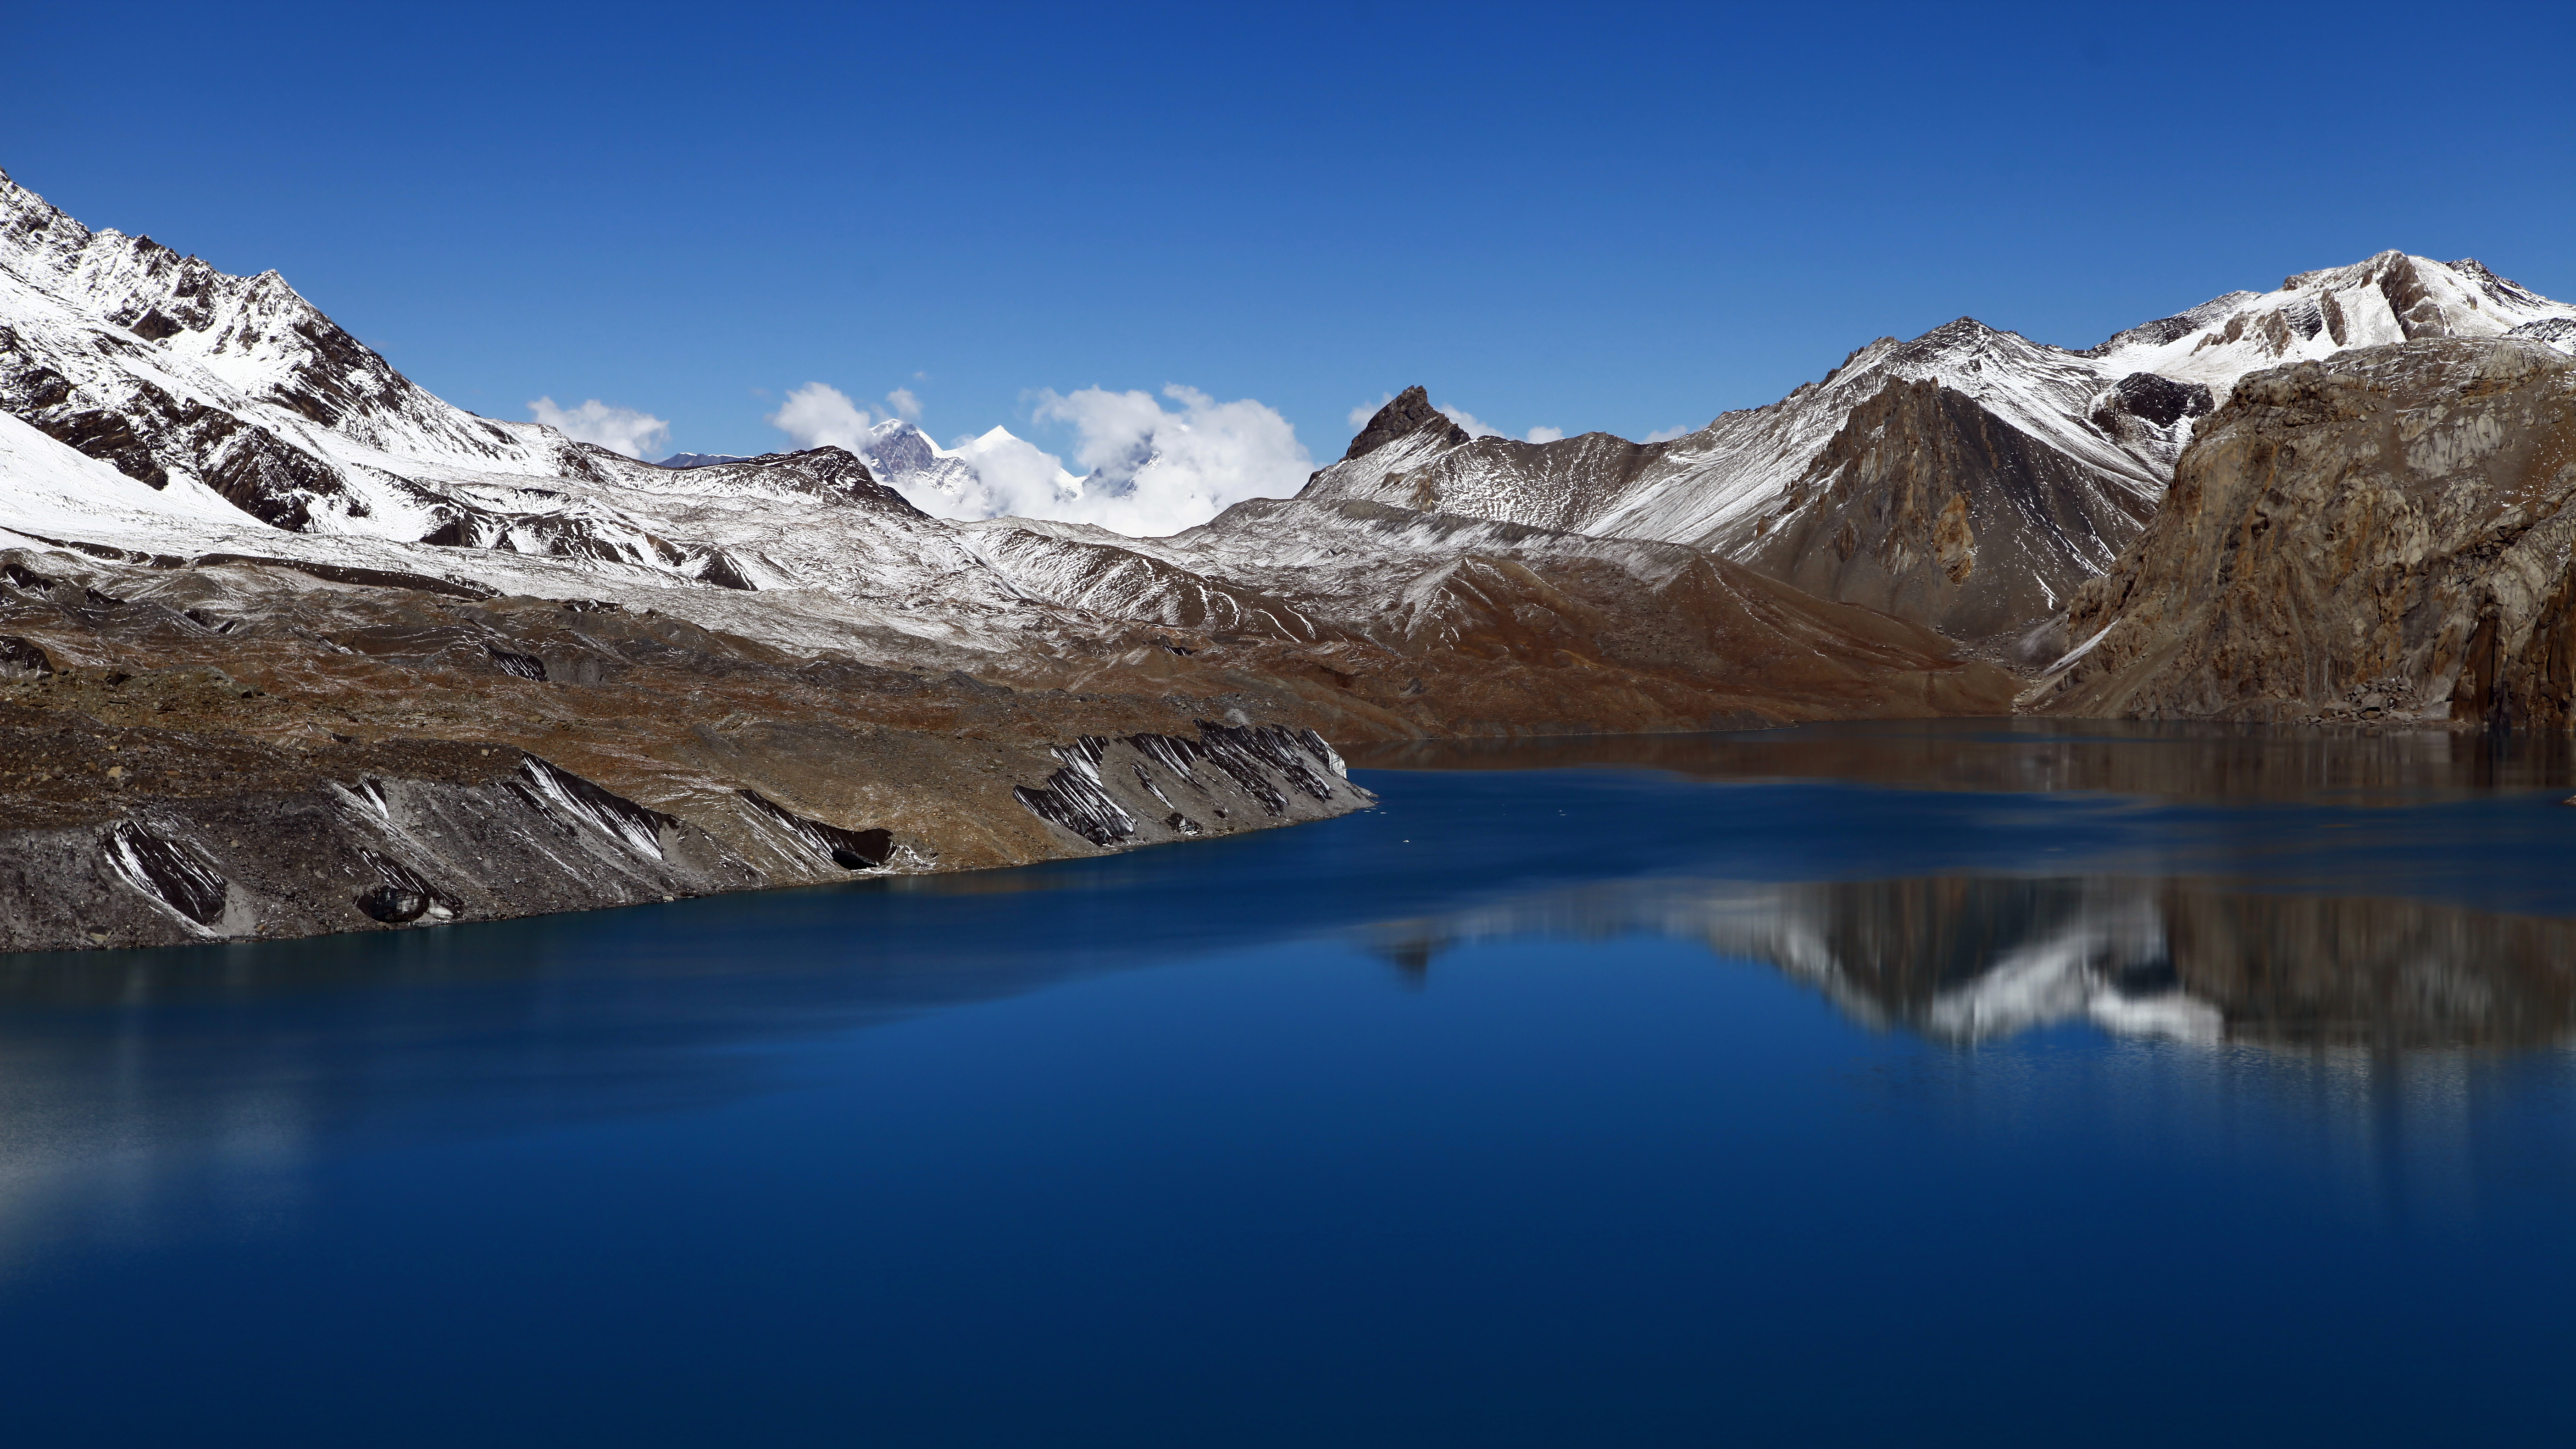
{"x":186,"y":377}
{"x":940,"y":480}
{"x":2391,"y":297}
{"x":1140,"y":487}
{"x":161,"y":410}
{"x":1967,"y":478}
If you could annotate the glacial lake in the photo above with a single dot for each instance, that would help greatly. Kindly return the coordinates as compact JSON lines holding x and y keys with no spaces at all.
{"x":1976,"y":1082}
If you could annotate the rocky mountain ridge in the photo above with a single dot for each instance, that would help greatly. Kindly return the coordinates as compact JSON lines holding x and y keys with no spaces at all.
{"x":1968,"y":479}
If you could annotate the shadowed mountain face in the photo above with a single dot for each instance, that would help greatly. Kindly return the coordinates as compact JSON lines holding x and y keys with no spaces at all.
{"x":1889,"y":515}
{"x":1967,"y":479}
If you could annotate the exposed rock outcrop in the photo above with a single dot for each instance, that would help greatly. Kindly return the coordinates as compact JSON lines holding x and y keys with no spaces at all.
{"x":2381,"y":534}
{"x":1406,"y":414}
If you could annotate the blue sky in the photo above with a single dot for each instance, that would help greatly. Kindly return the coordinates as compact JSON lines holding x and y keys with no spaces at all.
{"x":1625,"y":218}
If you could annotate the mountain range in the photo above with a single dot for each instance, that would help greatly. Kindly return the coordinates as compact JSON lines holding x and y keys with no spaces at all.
{"x":1968,"y":479}
{"x":434,"y":641}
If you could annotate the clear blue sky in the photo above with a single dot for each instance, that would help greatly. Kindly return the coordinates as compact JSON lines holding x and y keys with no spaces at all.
{"x":1623,"y":218}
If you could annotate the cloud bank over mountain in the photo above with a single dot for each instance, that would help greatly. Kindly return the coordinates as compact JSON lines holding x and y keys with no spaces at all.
{"x":818,"y":415}
{"x":623,"y":430}
{"x":1143,"y":464}
{"x":1154,"y":470}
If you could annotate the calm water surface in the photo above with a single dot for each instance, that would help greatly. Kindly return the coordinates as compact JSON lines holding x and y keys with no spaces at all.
{"x":1971,"y":1083}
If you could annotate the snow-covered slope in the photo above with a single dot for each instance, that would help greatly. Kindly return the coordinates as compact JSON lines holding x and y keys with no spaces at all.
{"x":180,"y":374}
{"x":161,"y":408}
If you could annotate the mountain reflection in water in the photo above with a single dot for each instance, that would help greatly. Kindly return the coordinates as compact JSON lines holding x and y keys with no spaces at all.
{"x":1968,"y":959}
{"x":2202,"y":958}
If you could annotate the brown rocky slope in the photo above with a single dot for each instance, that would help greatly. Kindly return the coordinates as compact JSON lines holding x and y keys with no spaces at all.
{"x":2379,"y":534}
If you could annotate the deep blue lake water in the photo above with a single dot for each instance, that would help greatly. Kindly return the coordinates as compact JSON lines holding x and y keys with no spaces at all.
{"x":1974,"y":1083}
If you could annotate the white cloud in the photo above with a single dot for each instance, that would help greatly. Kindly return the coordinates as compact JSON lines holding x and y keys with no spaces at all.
{"x":1666,"y":435}
{"x":1148,"y":469}
{"x":820,"y":416}
{"x":622,"y":430}
{"x":1476,"y":427}
{"x":1360,"y":415}
{"x":1013,"y":476}
{"x":1545,"y":435}
{"x":1154,"y":471}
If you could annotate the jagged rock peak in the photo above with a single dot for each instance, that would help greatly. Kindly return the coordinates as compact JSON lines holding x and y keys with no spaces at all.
{"x":1408,"y":413}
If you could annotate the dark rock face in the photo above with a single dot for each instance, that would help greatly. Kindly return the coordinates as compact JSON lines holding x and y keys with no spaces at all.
{"x":401,"y":895}
{"x":2558,"y":332}
{"x":2160,"y":400}
{"x":823,"y":472}
{"x":1109,"y":787}
{"x":848,"y":849}
{"x":20,"y":659}
{"x":2383,"y":534}
{"x":903,"y":451}
{"x":1409,"y":413}
{"x":168,"y":872}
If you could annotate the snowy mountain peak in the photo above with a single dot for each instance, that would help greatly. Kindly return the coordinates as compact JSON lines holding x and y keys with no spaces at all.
{"x":2390,"y":297}
{"x":930,"y":476}
{"x":897,"y":447}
